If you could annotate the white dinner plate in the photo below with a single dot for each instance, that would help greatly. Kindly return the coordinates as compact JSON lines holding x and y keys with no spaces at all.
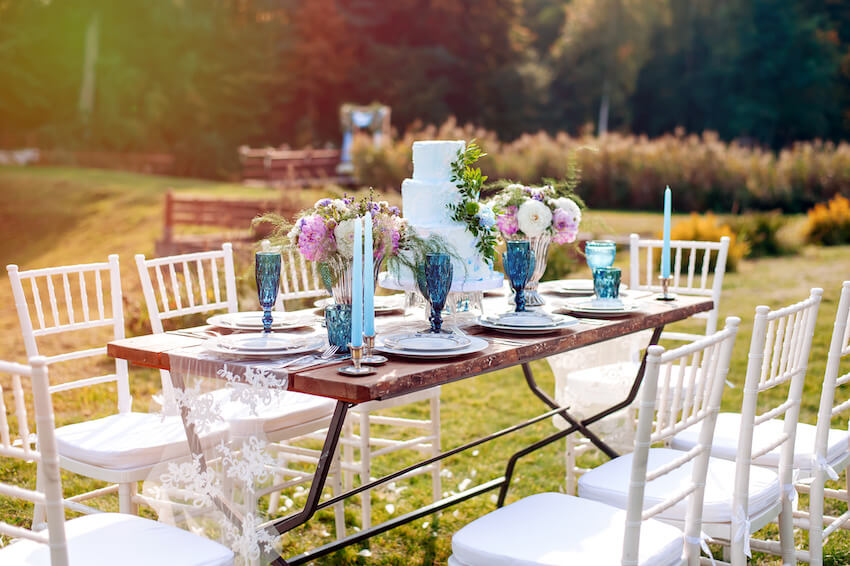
{"x":426,"y":342}
{"x":573,"y":287}
{"x":253,"y":320}
{"x":593,"y":307}
{"x":259,"y":345}
{"x":475,"y":345}
{"x":383,"y":305}
{"x":562,"y":322}
{"x":527,"y":319}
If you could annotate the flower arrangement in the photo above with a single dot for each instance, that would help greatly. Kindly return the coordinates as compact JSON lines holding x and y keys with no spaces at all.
{"x":326,"y":231}
{"x":480,"y":219}
{"x":530,"y":212}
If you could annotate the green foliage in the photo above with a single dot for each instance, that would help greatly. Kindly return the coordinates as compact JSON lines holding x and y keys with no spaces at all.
{"x":829,"y":224}
{"x":470,"y":181}
{"x":761,"y":232}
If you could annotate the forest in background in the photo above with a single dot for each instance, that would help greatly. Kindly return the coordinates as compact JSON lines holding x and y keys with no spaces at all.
{"x":197,"y":78}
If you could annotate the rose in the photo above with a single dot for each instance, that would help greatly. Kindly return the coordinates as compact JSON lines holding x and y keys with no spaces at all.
{"x":485,"y":216}
{"x":533,"y":218}
{"x":344,"y":235}
{"x":569,"y":206}
{"x":507,"y":222}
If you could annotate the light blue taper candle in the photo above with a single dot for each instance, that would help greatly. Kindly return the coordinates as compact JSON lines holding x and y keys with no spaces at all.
{"x":368,"y":278}
{"x":357,"y":286}
{"x":665,"y":250}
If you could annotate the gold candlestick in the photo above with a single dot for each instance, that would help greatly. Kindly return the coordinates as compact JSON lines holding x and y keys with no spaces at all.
{"x":370,"y":358}
{"x":356,"y":369}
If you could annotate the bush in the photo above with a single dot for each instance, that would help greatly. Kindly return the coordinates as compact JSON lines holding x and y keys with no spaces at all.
{"x":761,"y":232}
{"x":829,"y":224}
{"x":630,"y":172}
{"x":705,"y":228}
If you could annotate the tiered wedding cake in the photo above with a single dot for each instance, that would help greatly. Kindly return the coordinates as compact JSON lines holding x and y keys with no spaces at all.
{"x":425,"y":200}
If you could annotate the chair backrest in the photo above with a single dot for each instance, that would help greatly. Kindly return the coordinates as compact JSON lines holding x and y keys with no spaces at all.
{"x":299,"y":279}
{"x":45,"y":455}
{"x":698,"y":269}
{"x":188,"y":284}
{"x":83,"y":301}
{"x":701,"y":367}
{"x":778,"y":356}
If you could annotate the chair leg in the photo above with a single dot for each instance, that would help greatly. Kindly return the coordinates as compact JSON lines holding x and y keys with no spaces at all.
{"x":786,"y":533}
{"x":126,"y":491}
{"x":339,"y":508}
{"x":38,"y":513}
{"x":347,"y":454}
{"x":570,"y":461}
{"x":365,"y":471}
{"x":436,"y":484}
{"x":816,"y":505}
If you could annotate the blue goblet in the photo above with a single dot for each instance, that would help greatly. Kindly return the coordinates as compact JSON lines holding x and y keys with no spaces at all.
{"x":438,"y":281}
{"x":267,"y":273}
{"x":519,"y":265}
{"x":600,"y":253}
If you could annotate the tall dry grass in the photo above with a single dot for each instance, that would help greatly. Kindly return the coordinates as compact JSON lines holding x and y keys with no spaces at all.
{"x":623,"y":171}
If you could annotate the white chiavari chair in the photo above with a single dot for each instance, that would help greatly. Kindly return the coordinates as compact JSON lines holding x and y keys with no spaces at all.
{"x":120,"y":448}
{"x":698,"y":269}
{"x":299,"y":279}
{"x":203,"y":282}
{"x":98,"y":539}
{"x":553,"y":528}
{"x":741,"y":498}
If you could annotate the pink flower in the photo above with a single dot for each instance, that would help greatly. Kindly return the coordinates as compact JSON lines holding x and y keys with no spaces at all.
{"x":507,"y":222}
{"x":313,"y":242}
{"x":565,"y":236}
{"x":565,"y":226}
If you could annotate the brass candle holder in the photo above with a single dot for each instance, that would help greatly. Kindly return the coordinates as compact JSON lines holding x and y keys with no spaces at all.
{"x":356,"y":369}
{"x":370,"y":358}
{"x":666,"y":295}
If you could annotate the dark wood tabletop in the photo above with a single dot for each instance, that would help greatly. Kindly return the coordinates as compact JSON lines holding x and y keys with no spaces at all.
{"x":401,"y":376}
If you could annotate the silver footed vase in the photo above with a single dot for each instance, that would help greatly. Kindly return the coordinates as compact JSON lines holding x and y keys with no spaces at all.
{"x":540,"y":246}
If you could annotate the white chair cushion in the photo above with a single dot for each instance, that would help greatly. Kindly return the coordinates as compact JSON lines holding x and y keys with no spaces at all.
{"x":129,"y":441}
{"x":558,"y":529}
{"x":609,"y":483}
{"x":107,"y":539}
{"x":725,"y":443}
{"x":285,"y":409}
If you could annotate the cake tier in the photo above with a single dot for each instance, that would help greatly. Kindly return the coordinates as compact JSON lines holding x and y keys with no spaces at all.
{"x":426,"y":203}
{"x":432,"y":160}
{"x":468,"y":265}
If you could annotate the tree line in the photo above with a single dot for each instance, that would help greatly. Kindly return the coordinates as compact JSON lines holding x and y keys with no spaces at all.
{"x":197,"y":78}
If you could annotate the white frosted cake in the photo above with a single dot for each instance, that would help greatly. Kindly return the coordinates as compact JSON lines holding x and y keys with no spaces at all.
{"x":425,"y":200}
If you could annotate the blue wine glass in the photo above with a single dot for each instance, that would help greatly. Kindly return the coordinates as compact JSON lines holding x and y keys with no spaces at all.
{"x":519,"y":263}
{"x":600,"y":253}
{"x":438,"y":281}
{"x":267,"y":272}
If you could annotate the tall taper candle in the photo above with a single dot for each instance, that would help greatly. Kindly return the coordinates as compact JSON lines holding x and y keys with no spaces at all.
{"x":665,"y":250}
{"x":357,"y":286}
{"x":368,"y":278}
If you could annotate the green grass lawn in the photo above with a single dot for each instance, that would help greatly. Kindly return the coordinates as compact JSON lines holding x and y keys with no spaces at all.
{"x":56,"y":216}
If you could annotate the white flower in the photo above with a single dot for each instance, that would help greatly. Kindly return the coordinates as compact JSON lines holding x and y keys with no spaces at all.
{"x":533,"y":218}
{"x":340,"y":205}
{"x":344,"y":234}
{"x":514,"y":186}
{"x":569,"y":206}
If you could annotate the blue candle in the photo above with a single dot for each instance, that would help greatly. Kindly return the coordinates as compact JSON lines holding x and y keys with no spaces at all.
{"x":368,"y":278}
{"x":357,"y":286}
{"x":665,"y":250}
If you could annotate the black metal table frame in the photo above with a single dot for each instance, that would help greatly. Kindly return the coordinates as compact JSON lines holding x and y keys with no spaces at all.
{"x":314,"y":503}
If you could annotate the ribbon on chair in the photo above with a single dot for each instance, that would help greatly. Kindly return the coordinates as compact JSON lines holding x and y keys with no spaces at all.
{"x":702,"y":541}
{"x":789,"y":490}
{"x":820,"y":463}
{"x":742,"y":525}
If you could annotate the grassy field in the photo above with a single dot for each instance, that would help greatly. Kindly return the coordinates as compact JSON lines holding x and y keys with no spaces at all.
{"x":54,"y":216}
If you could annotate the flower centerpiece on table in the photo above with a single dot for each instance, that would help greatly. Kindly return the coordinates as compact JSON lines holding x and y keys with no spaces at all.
{"x":545,"y":214}
{"x":324,"y":234}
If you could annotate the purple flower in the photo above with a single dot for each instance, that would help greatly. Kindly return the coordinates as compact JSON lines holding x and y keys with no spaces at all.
{"x":394,"y":210}
{"x":313,"y":241}
{"x":323,"y":202}
{"x":396,"y":238}
{"x":507,"y":222}
{"x":566,"y":228}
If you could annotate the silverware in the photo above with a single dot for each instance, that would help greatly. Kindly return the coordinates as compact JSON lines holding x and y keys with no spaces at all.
{"x":322,"y":363}
{"x":207,"y":333}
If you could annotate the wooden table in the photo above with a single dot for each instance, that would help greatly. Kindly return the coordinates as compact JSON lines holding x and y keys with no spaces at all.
{"x":400,"y":377}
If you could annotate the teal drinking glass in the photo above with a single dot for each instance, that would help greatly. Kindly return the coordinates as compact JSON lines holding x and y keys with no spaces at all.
{"x":600,"y":253}
{"x":267,"y":273}
{"x":606,"y":282}
{"x":519,"y":265}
